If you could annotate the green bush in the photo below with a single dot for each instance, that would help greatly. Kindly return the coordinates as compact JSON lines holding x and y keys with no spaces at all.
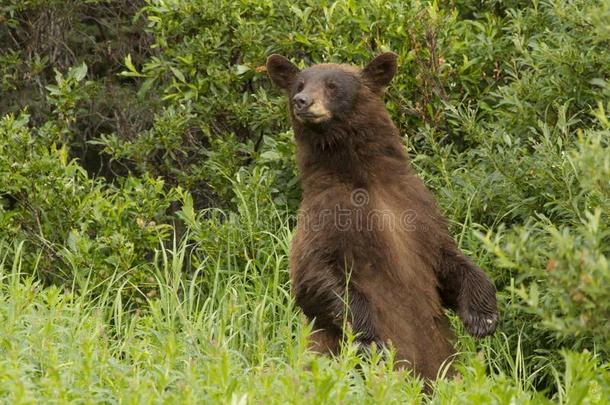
{"x":84,"y":231}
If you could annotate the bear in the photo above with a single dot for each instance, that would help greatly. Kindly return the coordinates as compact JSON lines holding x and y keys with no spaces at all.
{"x":371,"y":248}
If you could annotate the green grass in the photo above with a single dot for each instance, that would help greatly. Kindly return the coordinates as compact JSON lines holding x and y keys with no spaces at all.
{"x":236,"y":340}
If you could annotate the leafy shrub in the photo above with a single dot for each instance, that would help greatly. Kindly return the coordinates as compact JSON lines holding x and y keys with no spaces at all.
{"x":85,"y":231}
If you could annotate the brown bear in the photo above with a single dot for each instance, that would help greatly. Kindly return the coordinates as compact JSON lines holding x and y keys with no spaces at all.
{"x":371,"y":248}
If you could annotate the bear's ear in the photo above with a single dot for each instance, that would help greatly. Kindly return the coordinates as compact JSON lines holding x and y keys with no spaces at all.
{"x":380,"y":71}
{"x":281,"y":70}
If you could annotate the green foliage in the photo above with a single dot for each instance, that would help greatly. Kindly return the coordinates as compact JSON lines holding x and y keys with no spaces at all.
{"x":239,"y":342}
{"x":86,"y":231}
{"x":148,"y":190}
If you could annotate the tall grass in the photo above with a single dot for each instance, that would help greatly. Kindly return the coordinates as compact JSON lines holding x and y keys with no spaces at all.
{"x":215,"y":335}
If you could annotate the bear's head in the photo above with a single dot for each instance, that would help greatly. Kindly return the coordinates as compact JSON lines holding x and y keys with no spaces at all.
{"x":327,"y":93}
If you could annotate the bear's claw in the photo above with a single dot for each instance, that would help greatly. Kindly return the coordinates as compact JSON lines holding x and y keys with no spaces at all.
{"x":477,"y":305}
{"x":480,"y":324}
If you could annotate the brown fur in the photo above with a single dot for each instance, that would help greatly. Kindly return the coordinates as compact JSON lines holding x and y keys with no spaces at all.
{"x":370,"y":238}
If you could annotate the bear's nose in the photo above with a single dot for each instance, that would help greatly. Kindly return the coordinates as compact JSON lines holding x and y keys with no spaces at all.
{"x":301,"y":101}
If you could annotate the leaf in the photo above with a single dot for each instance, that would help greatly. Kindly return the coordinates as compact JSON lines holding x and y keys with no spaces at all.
{"x":129,"y":63}
{"x":79,"y":72}
{"x":145,"y":87}
{"x":53,"y":89}
{"x":133,"y":71}
{"x":179,"y":75}
{"x":599,"y":82}
{"x":270,"y":155}
{"x":72,"y":240}
{"x":242,"y":69}
{"x":188,"y":212}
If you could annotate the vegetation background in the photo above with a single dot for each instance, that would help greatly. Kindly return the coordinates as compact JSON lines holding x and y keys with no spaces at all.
{"x":148,"y":191}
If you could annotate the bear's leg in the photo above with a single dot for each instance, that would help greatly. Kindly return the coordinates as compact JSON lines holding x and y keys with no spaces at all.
{"x":360,"y":317}
{"x":326,"y":304}
{"x":467,"y":289}
{"x":325,"y":341}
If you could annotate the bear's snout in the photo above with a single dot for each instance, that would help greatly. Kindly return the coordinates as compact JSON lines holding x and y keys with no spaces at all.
{"x":309,"y":108}
{"x":302,"y":101}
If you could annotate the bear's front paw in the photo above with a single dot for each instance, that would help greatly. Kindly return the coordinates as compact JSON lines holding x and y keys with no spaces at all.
{"x":477,"y":307}
{"x":479,"y":324}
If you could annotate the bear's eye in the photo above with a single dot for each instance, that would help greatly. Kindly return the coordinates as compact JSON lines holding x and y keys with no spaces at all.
{"x":331,"y":86}
{"x":300,"y":87}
